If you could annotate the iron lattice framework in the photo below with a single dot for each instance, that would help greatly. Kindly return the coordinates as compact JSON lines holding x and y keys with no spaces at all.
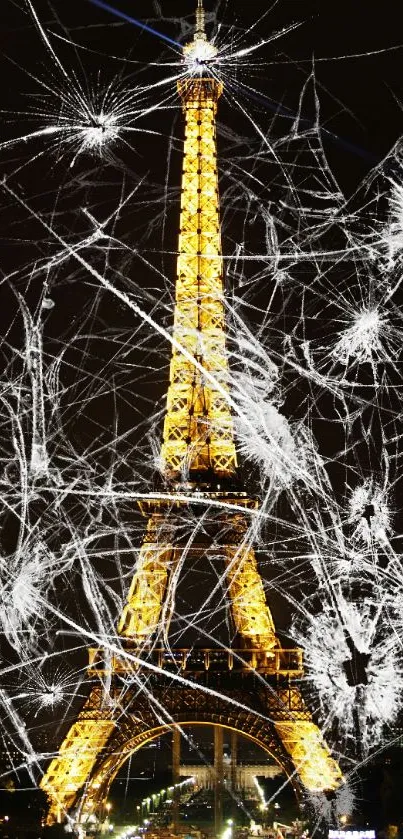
{"x":198,"y":431}
{"x":198,"y":454}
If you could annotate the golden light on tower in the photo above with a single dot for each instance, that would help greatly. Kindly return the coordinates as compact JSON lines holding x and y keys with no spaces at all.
{"x":198,"y":428}
{"x":198,"y":454}
{"x":68,"y":771}
{"x":198,"y":442}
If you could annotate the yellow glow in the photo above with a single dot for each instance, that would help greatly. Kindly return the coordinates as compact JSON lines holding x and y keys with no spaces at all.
{"x":251,"y":614}
{"x":198,"y":428}
{"x":140,"y":616}
{"x":68,"y":772}
{"x":198,"y":440}
{"x":310,"y":755}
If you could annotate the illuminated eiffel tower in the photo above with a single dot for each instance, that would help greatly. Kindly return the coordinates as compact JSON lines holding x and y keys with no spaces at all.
{"x":251,"y":688}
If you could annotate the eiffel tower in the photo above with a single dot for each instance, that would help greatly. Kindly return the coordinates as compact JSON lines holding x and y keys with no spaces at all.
{"x":142,"y":687}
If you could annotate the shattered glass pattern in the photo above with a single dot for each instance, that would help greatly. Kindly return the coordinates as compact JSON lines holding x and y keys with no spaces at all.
{"x":315,"y":331}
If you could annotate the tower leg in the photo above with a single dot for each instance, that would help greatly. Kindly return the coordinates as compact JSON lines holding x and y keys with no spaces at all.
{"x":250,"y":612}
{"x":141,"y":615}
{"x":309,"y":752}
{"x":176,"y":759}
{"x":71,"y":768}
{"x":218,"y":778}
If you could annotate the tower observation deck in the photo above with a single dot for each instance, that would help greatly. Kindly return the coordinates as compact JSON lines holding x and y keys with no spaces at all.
{"x":198,"y":463}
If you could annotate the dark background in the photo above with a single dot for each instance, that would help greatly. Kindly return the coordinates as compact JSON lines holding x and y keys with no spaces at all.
{"x":361,"y":116}
{"x":359,"y":95}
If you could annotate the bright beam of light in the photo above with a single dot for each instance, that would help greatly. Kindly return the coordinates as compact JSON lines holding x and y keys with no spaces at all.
{"x":107,"y":8}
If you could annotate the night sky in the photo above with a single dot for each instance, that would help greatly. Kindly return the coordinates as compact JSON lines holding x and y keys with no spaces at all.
{"x":359,"y":95}
{"x":347,"y":58}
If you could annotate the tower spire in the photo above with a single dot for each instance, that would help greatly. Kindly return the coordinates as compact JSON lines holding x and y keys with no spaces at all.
{"x":200,"y":50}
{"x":200,"y":33}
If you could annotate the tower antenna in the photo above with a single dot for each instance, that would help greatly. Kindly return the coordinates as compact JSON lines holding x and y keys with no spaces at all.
{"x":200,"y":33}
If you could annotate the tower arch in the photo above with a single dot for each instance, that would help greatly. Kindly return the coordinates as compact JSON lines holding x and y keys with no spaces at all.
{"x":97,"y":790}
